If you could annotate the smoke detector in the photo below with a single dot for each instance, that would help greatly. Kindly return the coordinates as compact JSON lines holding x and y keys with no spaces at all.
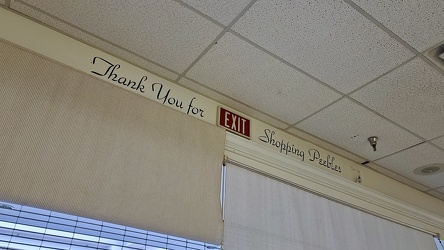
{"x":429,"y":169}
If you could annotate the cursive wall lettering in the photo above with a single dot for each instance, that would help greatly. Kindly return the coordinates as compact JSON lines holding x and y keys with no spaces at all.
{"x":165,"y":96}
{"x":286,"y":148}
{"x":328,"y":162}
{"x":111,"y":74}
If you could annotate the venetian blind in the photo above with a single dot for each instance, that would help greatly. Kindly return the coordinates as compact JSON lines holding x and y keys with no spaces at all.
{"x":262,"y":213}
{"x":74,"y":144}
{"x":23,"y":227}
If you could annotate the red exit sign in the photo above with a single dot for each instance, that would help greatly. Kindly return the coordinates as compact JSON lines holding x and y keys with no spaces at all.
{"x":234,"y":122}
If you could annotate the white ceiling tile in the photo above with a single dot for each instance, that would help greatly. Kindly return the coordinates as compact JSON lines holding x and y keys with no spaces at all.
{"x":327,"y":39}
{"x":406,"y":161}
{"x":222,"y":11}
{"x":348,"y":125}
{"x":439,"y":142}
{"x":412,"y":96}
{"x":251,"y":76}
{"x":165,"y":31}
{"x":99,"y":43}
{"x":222,"y":99}
{"x":419,"y":23}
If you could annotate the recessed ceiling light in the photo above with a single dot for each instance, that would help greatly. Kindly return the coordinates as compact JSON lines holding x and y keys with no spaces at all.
{"x":429,"y":169}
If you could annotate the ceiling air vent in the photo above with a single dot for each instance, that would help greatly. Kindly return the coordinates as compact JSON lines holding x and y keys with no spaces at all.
{"x":436,"y":55}
{"x":429,"y":169}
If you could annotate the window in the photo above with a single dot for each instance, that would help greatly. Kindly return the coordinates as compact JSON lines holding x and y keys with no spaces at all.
{"x":439,"y":244}
{"x":29,"y":228}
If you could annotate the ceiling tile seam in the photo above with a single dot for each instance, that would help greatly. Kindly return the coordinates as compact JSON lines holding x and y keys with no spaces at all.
{"x":432,"y":47}
{"x":404,"y":149}
{"x":222,"y":94}
{"x":382,"y":116}
{"x":385,"y":118}
{"x":434,"y":145}
{"x":216,"y":39}
{"x":423,"y":139}
{"x":200,"y":13}
{"x":434,"y":189}
{"x":437,"y":137}
{"x":424,"y":142}
{"x":348,"y":95}
{"x":91,"y":34}
{"x":396,"y":124}
{"x":316,"y":112}
{"x":381,"y":26}
{"x":382,"y":75}
{"x":350,"y":98}
{"x":366,"y":107}
{"x":432,"y":64}
{"x":285,"y":62}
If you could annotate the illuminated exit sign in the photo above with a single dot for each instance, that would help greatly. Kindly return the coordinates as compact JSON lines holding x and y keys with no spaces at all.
{"x":234,"y":122}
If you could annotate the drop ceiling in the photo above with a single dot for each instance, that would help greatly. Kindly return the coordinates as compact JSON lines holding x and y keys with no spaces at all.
{"x":329,"y":71}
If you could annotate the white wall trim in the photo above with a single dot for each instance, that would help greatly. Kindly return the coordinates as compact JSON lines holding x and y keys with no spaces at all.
{"x":303,"y":175}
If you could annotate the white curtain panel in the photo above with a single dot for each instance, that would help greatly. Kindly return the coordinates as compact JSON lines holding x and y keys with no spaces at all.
{"x":262,"y":213}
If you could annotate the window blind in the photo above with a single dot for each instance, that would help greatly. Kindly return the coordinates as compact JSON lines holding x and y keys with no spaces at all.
{"x":72,"y":143}
{"x":28,"y":228}
{"x":262,"y":213}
